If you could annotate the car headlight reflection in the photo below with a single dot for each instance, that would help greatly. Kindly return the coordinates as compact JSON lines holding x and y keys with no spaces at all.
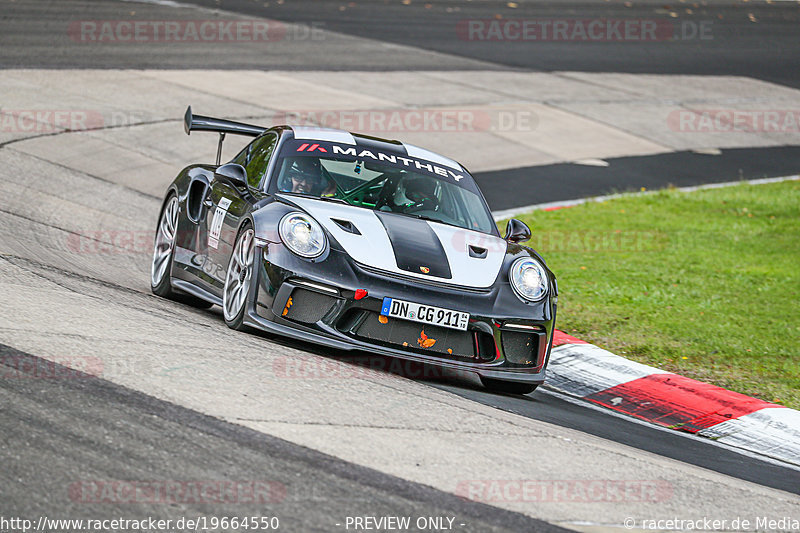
{"x":528,"y":279}
{"x":302,"y":235}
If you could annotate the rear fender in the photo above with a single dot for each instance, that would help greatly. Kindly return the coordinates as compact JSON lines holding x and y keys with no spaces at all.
{"x":183,"y":183}
{"x":191,"y":178}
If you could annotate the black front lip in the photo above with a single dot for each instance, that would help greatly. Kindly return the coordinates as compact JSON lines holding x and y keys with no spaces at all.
{"x":489,"y":309}
{"x":330,"y":337}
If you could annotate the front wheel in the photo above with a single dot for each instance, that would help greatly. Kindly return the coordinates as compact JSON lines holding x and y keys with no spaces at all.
{"x":509,"y":387}
{"x":238,"y":280}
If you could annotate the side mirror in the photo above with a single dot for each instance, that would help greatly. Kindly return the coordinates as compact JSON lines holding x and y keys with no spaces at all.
{"x":235,"y":173}
{"x":517,"y":231}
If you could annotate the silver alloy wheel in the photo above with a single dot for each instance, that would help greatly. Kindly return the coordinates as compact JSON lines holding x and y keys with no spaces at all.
{"x":165,"y":241}
{"x":240,"y":273}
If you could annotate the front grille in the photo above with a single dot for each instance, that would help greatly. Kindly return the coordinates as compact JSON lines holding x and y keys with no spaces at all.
{"x":404,"y":334}
{"x":307,"y":306}
{"x":521,"y":348}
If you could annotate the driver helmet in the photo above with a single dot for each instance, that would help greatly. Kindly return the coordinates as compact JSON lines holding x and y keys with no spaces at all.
{"x":302,"y":175}
{"x":417,"y":190}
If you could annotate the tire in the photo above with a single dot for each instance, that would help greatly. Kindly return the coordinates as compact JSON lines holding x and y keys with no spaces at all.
{"x":238,"y":279}
{"x":163,"y":251}
{"x":508,"y":387}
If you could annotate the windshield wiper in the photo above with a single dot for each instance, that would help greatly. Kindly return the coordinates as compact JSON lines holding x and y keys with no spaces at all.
{"x":334,"y":199}
{"x":315,"y":197}
{"x":423,"y":217}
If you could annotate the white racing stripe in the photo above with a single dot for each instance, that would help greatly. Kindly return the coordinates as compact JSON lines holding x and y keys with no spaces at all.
{"x":475,"y":271}
{"x":373,"y":247}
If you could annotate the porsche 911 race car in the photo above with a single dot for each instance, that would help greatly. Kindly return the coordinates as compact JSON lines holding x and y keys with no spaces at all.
{"x":356,"y":243}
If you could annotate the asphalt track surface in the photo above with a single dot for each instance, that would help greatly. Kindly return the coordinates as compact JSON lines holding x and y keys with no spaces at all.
{"x":555,"y":408}
{"x":106,"y":432}
{"x":736,"y":45}
{"x":746,"y":38}
{"x":757,"y":40}
{"x":766,"y":49}
{"x":117,"y":433}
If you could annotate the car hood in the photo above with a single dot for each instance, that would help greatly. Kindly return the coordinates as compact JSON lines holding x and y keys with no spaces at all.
{"x":409,"y":246}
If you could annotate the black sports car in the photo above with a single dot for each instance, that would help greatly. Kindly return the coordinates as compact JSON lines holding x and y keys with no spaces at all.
{"x":357,"y":243}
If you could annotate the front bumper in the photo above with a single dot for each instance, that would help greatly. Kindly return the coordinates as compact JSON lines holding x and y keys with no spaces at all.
{"x":315,"y":301}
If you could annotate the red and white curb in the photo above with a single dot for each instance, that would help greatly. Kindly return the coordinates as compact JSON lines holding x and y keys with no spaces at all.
{"x":593,"y":374}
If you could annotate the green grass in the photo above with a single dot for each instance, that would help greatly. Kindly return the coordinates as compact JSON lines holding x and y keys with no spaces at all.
{"x":704,"y":284}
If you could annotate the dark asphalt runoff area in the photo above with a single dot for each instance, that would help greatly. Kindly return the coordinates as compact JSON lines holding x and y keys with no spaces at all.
{"x":571,"y":181}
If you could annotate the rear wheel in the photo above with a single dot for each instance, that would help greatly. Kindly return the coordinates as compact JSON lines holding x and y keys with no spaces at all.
{"x":238,"y":280}
{"x":163,"y":250}
{"x":509,"y":387}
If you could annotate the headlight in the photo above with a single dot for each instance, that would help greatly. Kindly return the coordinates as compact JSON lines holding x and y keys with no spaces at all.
{"x":302,"y":235}
{"x":528,"y":279}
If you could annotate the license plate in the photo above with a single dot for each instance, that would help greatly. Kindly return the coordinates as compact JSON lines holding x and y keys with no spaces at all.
{"x":427,"y":314}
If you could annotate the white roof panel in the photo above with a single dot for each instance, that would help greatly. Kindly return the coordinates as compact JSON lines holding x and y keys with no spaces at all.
{"x":323,"y":134}
{"x":422,"y":153}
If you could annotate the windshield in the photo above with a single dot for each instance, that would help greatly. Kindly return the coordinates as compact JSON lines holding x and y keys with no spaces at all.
{"x":383,"y":182}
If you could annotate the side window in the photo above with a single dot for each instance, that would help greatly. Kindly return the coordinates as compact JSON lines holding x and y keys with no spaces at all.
{"x":258,"y":159}
{"x":242,"y":157}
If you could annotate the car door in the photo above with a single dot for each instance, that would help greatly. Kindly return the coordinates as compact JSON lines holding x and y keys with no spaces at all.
{"x":229,"y":203}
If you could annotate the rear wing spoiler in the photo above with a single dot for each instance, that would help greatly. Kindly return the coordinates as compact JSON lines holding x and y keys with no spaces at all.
{"x":200,"y":123}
